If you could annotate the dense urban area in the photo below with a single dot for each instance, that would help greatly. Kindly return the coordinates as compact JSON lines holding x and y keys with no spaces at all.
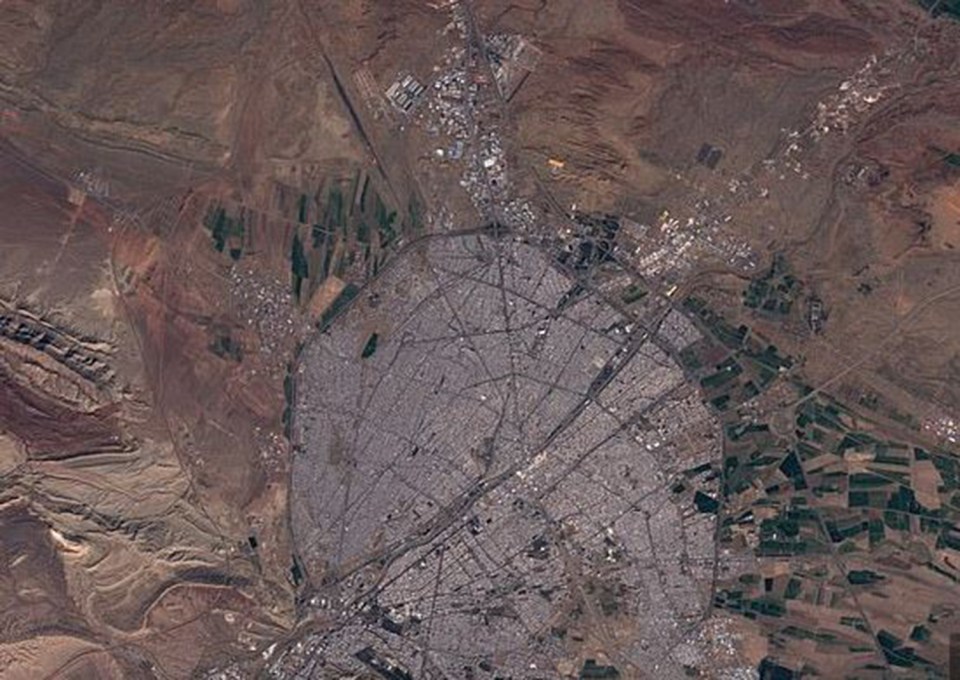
{"x":531,"y":431}
{"x":480,"y":340}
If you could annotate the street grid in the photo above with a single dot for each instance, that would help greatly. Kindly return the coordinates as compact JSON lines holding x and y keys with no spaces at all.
{"x":495,"y":476}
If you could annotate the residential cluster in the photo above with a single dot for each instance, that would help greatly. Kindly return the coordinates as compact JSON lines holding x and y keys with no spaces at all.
{"x":501,"y":429}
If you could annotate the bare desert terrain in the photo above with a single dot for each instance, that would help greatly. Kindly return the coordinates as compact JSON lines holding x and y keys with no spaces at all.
{"x":479,"y":339}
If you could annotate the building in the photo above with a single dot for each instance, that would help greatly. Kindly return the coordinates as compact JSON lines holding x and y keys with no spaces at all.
{"x":405,"y":93}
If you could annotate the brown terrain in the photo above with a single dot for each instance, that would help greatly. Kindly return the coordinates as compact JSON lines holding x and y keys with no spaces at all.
{"x":144,"y":497}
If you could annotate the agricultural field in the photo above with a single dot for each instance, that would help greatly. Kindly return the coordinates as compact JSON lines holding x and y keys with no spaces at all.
{"x":842,"y":520}
{"x":480,"y":339}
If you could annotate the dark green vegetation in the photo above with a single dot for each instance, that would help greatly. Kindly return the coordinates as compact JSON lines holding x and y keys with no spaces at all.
{"x":593,"y":671}
{"x":339,"y":304}
{"x":896,"y":653}
{"x":743,"y":366}
{"x":226,"y":346}
{"x":296,"y":573}
{"x":226,"y":230}
{"x":593,"y":242}
{"x":705,"y":503}
{"x":950,"y":8}
{"x":370,"y":348}
{"x":288,"y":397}
{"x":298,"y":265}
{"x":874,"y":402}
{"x":346,"y":228}
{"x":633,"y":293}
{"x":775,"y":291}
{"x":807,"y":480}
{"x":820,"y":502}
{"x":343,"y":228}
{"x":859,"y":577}
{"x":770,"y":670}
